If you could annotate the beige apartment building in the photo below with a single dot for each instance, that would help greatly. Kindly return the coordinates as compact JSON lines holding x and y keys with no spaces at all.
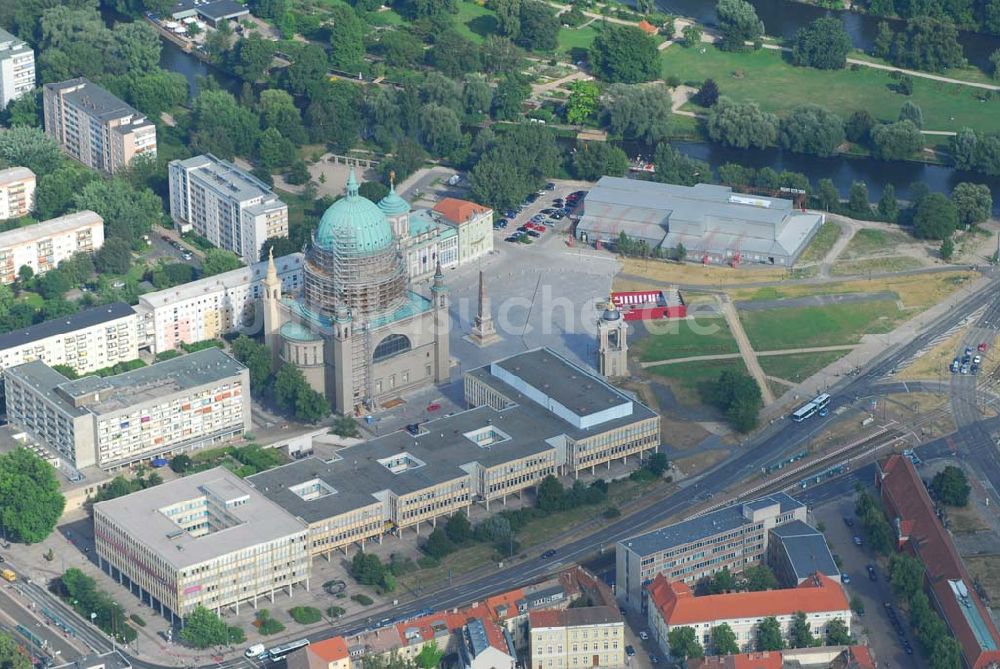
{"x":44,"y":245}
{"x":95,"y":127}
{"x":178,"y":405}
{"x":474,"y":224}
{"x":207,"y":539}
{"x":17,"y":192}
{"x":228,"y":206}
{"x":728,"y":538}
{"x":88,"y":340}
{"x":577,"y":638}
{"x":508,"y":442}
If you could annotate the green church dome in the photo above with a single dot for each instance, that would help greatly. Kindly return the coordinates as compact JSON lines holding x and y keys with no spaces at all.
{"x":392,"y":204}
{"x":354,"y":223}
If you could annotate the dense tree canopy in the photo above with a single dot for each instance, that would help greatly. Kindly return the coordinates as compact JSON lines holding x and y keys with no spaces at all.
{"x":951,"y":486}
{"x":928,"y":44}
{"x":935,"y":217}
{"x":741,"y":124}
{"x":823,"y":44}
{"x":128,"y":213}
{"x":683,"y":642}
{"x":812,"y":129}
{"x":596,"y":159}
{"x":31,"y":148}
{"x":515,"y":165}
{"x":739,"y":24}
{"x":896,"y":141}
{"x":11,"y":656}
{"x":347,"y":39}
{"x":973,"y":201}
{"x":204,"y":629}
{"x":738,"y":396}
{"x":220,"y":125}
{"x":724,"y":640}
{"x":639,"y":112}
{"x":673,"y":167}
{"x":624,"y":54}
{"x":538,"y":26}
{"x":769,"y":635}
{"x":30,"y":501}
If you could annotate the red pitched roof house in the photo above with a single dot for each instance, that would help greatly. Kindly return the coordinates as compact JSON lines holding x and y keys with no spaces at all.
{"x":458,"y":211}
{"x":918,"y":531}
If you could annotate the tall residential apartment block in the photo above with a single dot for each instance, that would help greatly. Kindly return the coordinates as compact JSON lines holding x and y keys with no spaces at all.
{"x":732,"y":537}
{"x":17,"y":68}
{"x":228,"y":206}
{"x":95,"y":127}
{"x":17,"y":192}
{"x":211,"y":307}
{"x":173,"y":406}
{"x":85,"y":341}
{"x":207,"y":539}
{"x":44,"y":245}
{"x":577,"y":638}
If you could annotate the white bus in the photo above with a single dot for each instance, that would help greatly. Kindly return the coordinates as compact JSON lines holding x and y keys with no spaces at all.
{"x":821,"y":401}
{"x":279,"y":652}
{"x":804,"y":412}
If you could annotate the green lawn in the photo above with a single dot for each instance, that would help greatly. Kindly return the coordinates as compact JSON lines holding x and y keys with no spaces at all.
{"x":869,"y":242}
{"x":686,"y":378}
{"x":798,"y":366}
{"x":805,"y":327}
{"x":821,"y":244}
{"x":577,"y":38}
{"x":875,"y":265}
{"x":764,"y":77}
{"x":705,"y":337}
{"x":475,"y":22}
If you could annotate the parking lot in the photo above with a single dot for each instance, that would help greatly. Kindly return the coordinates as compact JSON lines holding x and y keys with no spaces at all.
{"x":888,"y":644}
{"x":548,"y":211}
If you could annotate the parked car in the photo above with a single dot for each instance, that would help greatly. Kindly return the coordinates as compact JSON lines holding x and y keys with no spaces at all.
{"x":955,"y":365}
{"x":654,"y":659}
{"x":845,"y":578}
{"x":547,"y":211}
{"x":872,"y":574}
{"x":977,"y":359}
{"x":982,"y":347}
{"x":965,"y":368}
{"x":630,"y":651}
{"x":848,"y":521}
{"x":857,"y":540}
{"x":549,"y":553}
{"x":534,"y":233}
{"x":643,"y":635}
{"x":550,"y":186}
{"x":512,"y":238}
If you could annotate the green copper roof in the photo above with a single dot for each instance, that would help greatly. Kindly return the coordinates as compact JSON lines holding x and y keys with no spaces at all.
{"x":354,"y":223}
{"x":297,"y":332}
{"x":392,"y":204}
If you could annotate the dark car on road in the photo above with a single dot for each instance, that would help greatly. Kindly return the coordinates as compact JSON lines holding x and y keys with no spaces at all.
{"x":872,"y":574}
{"x":549,"y":553}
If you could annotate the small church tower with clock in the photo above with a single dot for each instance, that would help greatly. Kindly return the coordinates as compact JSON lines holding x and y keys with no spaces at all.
{"x":612,"y":342}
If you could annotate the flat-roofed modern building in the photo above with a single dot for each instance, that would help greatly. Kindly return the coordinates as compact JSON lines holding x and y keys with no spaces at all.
{"x":213,"y":12}
{"x":213,"y":306}
{"x":17,"y":192}
{"x":673,"y":605}
{"x":714,"y":224}
{"x":577,"y":638}
{"x":732,"y":537}
{"x":173,"y":406}
{"x":17,"y":68}
{"x":796,"y":551}
{"x":510,"y":440}
{"x":95,"y":127}
{"x":231,"y":208}
{"x":88,"y":340}
{"x":44,"y":245}
{"x":207,"y":539}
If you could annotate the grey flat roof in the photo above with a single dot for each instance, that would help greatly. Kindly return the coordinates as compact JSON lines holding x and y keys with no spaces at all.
{"x":806,"y":549}
{"x":53,"y":226}
{"x":99,"y":101}
{"x":15,"y":174}
{"x":44,"y":380}
{"x":701,"y":527}
{"x":257,"y":521}
{"x":58,"y":326}
{"x":214,"y":9}
{"x":576,"y":388}
{"x":11,"y":45}
{"x":227,"y":179}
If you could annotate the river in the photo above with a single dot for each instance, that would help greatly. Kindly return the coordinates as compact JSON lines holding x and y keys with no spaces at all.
{"x":783,"y":17}
{"x":176,"y":59}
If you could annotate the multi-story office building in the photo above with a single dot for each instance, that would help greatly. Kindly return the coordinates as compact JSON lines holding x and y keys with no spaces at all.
{"x":207,"y":539}
{"x":231,"y":208}
{"x":796,"y":551}
{"x":173,"y":406}
{"x":211,"y":307}
{"x":95,"y":127}
{"x":474,"y":224}
{"x":44,"y":245}
{"x":577,"y":638}
{"x":17,"y":192}
{"x":535,"y":414}
{"x":17,"y":68}
{"x":672,"y":605}
{"x":732,"y":537}
{"x":86,"y":341}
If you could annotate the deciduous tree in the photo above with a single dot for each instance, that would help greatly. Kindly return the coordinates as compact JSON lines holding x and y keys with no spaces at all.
{"x":811,"y":129}
{"x":951,"y":486}
{"x":583,"y":101}
{"x":769,"y":635}
{"x":973,"y":201}
{"x":724,"y":640}
{"x":683,"y":642}
{"x":935,"y":217}
{"x":639,"y":112}
{"x":347,"y":37}
{"x":928,"y":44}
{"x":625,"y":54}
{"x":837,"y":633}
{"x":823,"y":44}
{"x":738,"y":23}
{"x":30,"y":501}
{"x":596,"y":159}
{"x":896,"y":141}
{"x":741,"y":124}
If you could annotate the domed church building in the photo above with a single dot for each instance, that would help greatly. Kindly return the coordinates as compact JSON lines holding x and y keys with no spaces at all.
{"x":359,"y":334}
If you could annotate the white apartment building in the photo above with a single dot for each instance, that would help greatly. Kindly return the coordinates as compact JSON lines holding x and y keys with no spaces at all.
{"x":17,"y":68}
{"x":213,"y":306}
{"x":86,"y":341}
{"x":207,"y":539}
{"x":577,"y":638}
{"x":44,"y":245}
{"x":178,"y":405}
{"x":95,"y":127}
{"x":228,"y":206}
{"x":17,"y":192}
{"x":673,"y":604}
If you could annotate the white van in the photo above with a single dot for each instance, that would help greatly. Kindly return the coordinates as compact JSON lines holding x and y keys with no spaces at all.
{"x":255,"y":651}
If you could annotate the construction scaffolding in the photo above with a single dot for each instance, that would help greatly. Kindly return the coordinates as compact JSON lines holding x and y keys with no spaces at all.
{"x":369,"y":283}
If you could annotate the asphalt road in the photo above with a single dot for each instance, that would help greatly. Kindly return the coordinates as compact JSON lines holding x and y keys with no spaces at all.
{"x":781,"y":437}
